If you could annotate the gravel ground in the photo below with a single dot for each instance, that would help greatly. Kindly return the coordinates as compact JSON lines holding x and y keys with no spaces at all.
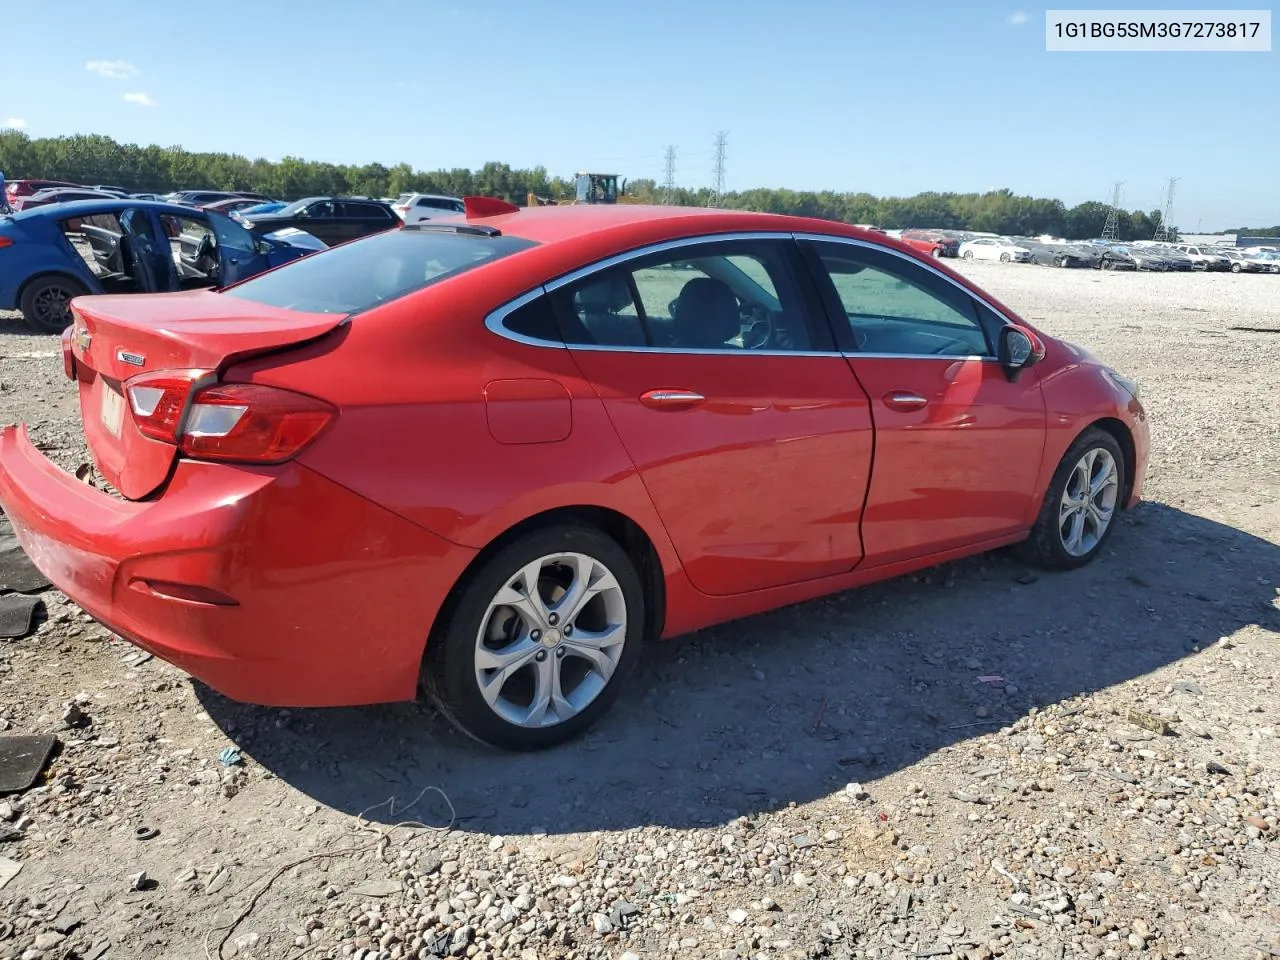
{"x":946,"y":765}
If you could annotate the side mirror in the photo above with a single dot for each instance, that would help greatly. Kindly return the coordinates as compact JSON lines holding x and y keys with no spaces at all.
{"x":261,"y":246}
{"x":1019,"y":349}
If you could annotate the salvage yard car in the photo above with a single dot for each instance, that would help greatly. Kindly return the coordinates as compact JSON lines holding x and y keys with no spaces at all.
{"x":332,"y":219}
{"x":994,"y":248}
{"x":52,"y":254}
{"x":539,"y":438}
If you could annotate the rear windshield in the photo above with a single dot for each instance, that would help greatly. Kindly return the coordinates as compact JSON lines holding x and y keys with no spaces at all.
{"x":373,"y":271}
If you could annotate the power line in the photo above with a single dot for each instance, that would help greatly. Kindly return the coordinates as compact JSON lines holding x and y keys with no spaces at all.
{"x":669,"y":180}
{"x":1111,"y":229}
{"x":1163,"y":232}
{"x":717,"y":189}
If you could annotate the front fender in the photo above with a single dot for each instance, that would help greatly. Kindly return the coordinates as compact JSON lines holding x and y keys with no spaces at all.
{"x":1078,"y":394}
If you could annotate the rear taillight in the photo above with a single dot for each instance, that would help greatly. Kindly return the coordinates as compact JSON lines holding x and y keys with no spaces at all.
{"x":251,"y":422}
{"x":68,"y":358}
{"x":158,"y":400}
{"x":6,"y":242}
{"x":242,"y":422}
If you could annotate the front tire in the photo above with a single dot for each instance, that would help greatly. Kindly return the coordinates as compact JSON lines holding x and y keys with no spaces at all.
{"x":1004,"y":258}
{"x":540,"y":639}
{"x":1235,"y":268}
{"x":46,"y":303}
{"x":1080,"y":507}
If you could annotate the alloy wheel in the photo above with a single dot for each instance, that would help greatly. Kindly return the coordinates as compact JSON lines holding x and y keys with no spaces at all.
{"x":52,"y":306}
{"x":550,"y":640}
{"x":1088,"y":501}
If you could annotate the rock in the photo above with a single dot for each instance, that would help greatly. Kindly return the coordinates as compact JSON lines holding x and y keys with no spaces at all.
{"x":460,"y":940}
{"x":738,"y":917}
{"x":8,"y":870}
{"x":139,"y":881}
{"x":217,"y":880}
{"x":47,"y":941}
{"x":1256,"y":821}
{"x":376,"y":888}
{"x":246,"y":941}
{"x":856,"y":791}
{"x":601,"y":924}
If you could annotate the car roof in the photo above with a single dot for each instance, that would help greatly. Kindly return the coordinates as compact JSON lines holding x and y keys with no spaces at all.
{"x":87,"y":208}
{"x":554,"y":224}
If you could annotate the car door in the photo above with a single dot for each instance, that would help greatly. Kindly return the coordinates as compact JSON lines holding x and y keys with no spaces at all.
{"x":147,"y":251}
{"x":957,"y":445}
{"x":746,"y":425}
{"x":321,"y":221}
{"x":239,"y":256}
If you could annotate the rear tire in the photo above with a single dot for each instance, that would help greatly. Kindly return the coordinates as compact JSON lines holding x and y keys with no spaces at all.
{"x":1235,"y":268}
{"x":1081,"y":504}
{"x":46,"y":303}
{"x":525,"y":671}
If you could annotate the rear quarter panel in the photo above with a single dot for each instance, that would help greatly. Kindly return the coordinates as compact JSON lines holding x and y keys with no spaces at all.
{"x":414,"y":434}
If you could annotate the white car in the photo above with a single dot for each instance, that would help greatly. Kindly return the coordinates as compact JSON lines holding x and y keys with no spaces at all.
{"x":1211,"y":257}
{"x":417,"y":207}
{"x":994,"y":248}
{"x":1247,"y":261}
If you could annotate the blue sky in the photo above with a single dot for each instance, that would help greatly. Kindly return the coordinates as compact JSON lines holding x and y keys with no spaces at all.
{"x":888,"y":97}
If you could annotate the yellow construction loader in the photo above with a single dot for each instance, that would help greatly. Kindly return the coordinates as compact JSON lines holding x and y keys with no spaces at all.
{"x":589,"y":188}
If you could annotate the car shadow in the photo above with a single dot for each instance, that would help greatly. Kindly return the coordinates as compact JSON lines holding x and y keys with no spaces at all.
{"x":793,"y":704}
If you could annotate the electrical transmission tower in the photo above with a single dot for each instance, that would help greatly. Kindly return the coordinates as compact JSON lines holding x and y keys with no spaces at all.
{"x":1111,"y":230}
{"x":717,"y":189}
{"x":669,"y":180}
{"x":1163,"y":232}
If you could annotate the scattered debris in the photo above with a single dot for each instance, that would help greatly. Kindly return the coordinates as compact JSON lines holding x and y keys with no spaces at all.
{"x":140,"y":881}
{"x":18,"y":615}
{"x":22,"y":758}
{"x":230,"y":757}
{"x":1150,"y":722}
{"x":17,"y":573}
{"x":146,"y":833}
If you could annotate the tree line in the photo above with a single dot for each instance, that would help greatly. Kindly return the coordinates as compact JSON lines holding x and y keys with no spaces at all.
{"x":94,"y":159}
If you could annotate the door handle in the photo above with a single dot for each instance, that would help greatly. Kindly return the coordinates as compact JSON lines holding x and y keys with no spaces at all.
{"x":671,"y":399}
{"x":904,"y":400}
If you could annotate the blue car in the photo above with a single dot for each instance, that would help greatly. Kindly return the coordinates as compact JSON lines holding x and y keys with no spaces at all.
{"x":271,"y":207}
{"x":51,"y":254}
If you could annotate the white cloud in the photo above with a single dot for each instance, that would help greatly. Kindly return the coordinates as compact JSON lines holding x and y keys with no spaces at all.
{"x":112,"y":69}
{"x":14,"y":123}
{"x":141,"y":99}
{"x":1017,"y":18}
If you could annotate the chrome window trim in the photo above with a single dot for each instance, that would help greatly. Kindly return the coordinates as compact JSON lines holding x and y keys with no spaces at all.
{"x":663,"y":247}
{"x":494,"y":321}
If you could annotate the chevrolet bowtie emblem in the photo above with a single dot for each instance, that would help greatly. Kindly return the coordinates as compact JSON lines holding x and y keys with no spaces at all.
{"x":82,"y":338}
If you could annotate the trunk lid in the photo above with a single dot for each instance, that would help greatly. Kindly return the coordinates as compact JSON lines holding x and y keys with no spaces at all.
{"x":116,"y":338}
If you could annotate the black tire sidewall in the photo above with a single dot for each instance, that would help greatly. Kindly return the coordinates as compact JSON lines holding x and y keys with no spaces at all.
{"x":33,"y":288}
{"x":1046,"y":536}
{"x":449,"y":665}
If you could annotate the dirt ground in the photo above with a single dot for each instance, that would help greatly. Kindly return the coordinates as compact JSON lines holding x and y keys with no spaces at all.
{"x":943,"y":765}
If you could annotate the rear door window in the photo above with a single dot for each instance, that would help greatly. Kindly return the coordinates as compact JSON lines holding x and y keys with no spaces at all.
{"x":359,"y":276}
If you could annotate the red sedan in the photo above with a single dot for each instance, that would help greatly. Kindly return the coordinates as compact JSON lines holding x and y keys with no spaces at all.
{"x":496,"y":454}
